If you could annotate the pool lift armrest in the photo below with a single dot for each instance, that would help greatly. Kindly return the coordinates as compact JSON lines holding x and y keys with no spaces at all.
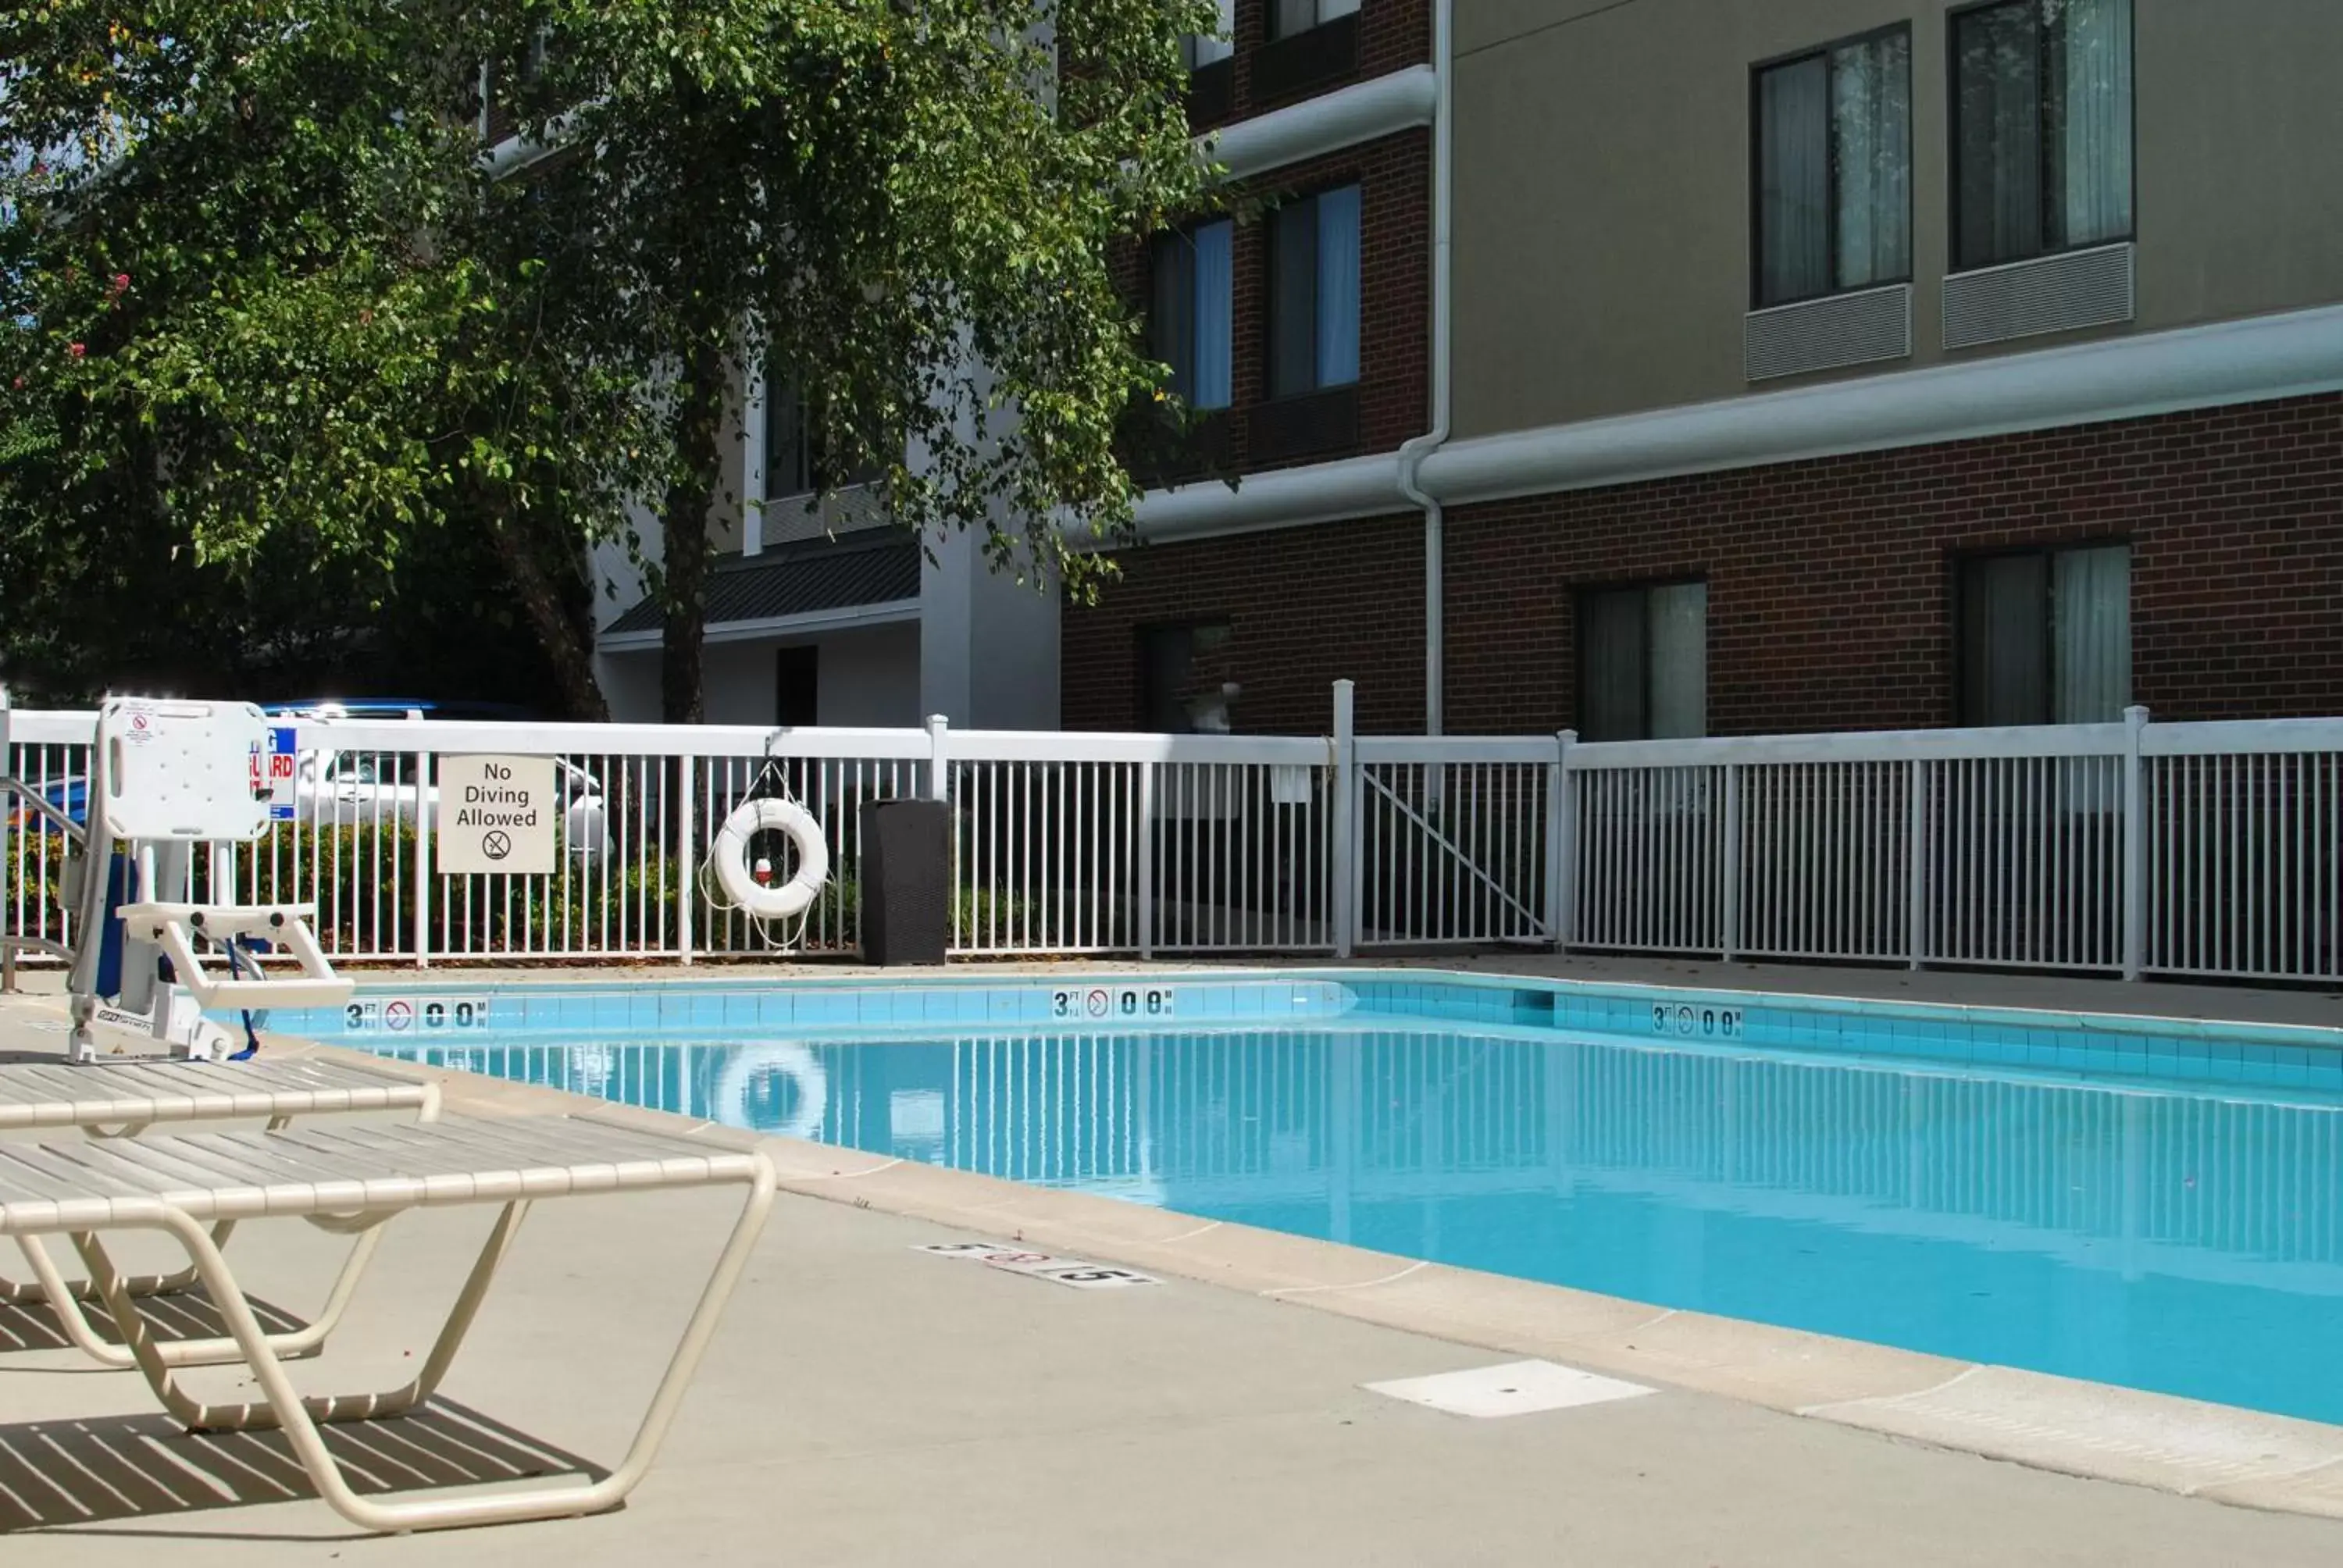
{"x":172,"y":926}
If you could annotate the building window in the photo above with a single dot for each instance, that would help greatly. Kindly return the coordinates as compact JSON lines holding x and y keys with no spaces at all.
{"x":794,"y":462}
{"x":2044,"y":636}
{"x":1643,"y":662}
{"x":796,"y":685}
{"x":1209,"y":49}
{"x":1287,"y":18}
{"x":1189,"y":319}
{"x":1183,"y":676}
{"x":1834,"y":169}
{"x":1313,"y":293}
{"x":788,"y":447}
{"x":2042,"y":128}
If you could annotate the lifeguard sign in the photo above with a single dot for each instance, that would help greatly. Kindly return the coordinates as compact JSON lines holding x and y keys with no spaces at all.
{"x":272,"y":772}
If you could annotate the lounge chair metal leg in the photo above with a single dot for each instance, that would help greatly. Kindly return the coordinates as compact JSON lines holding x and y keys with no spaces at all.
{"x":44,"y":1290}
{"x":64,"y":1298}
{"x":440,"y":1513}
{"x":366,"y":1406}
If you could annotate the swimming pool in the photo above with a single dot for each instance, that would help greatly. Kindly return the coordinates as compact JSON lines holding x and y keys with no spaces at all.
{"x":2153,"y":1205}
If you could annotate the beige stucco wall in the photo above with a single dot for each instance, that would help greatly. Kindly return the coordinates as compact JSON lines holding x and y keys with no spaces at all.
{"x":1601,"y":200}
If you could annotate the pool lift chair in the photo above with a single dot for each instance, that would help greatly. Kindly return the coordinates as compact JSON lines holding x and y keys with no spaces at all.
{"x":164,"y":776}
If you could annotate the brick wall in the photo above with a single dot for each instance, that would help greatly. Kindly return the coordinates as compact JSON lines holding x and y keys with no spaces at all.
{"x":1393,"y":35}
{"x":1829,"y":581}
{"x":1304,"y":606}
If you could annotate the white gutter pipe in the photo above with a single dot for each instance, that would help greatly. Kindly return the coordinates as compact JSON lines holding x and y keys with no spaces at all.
{"x":1413,"y":454}
{"x":2255,"y":360}
{"x":1327,"y":123}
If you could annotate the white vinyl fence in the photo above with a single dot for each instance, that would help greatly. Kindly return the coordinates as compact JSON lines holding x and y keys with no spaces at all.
{"x":2128,"y":849}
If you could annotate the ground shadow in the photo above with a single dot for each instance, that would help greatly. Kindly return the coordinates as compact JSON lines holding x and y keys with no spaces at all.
{"x":185,"y":1315}
{"x":109,"y":1469}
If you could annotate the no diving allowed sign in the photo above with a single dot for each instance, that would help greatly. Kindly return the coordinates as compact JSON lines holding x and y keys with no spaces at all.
{"x":1072,"y":1271}
{"x":496,"y":814}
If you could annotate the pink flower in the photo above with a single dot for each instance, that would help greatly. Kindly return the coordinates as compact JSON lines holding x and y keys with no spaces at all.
{"x":121,"y":283}
{"x":76,"y":349}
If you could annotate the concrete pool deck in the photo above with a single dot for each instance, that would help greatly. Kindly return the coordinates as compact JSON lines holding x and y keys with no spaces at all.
{"x":868,"y":1403}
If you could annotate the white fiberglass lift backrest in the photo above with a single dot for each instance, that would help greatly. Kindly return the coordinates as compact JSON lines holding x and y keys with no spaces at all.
{"x":164,"y":776}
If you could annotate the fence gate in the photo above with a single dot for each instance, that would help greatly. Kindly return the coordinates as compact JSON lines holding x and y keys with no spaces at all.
{"x":1455,"y":843}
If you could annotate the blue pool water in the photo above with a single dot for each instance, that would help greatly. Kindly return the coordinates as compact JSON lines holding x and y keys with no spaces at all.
{"x":2157,"y":1210}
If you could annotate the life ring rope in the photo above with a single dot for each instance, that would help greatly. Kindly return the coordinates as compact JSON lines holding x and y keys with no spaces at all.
{"x":736,"y":886}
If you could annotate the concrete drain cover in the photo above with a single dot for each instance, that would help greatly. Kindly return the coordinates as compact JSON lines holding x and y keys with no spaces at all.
{"x":1516,"y":1388}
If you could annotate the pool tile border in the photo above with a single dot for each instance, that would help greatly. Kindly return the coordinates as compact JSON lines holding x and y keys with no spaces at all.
{"x":2257,"y":1058}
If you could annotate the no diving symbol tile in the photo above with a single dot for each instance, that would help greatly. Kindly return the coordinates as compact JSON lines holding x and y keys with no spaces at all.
{"x":1070,"y":1271}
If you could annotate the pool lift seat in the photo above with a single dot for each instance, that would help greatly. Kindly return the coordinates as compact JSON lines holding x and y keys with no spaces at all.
{"x":164,"y":776}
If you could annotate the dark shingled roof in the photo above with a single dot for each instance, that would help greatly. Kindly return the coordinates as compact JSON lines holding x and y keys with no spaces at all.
{"x":800,"y":580}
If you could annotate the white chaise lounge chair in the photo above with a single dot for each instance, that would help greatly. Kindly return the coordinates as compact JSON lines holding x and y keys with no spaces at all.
{"x":353,"y":1176}
{"x":122,"y":1100}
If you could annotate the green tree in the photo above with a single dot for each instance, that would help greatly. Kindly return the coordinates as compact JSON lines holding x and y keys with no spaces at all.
{"x":904,"y":211}
{"x":250,"y":306}
{"x":267,"y":302}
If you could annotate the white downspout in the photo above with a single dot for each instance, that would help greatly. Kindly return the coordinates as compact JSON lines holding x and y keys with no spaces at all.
{"x":1413,"y":454}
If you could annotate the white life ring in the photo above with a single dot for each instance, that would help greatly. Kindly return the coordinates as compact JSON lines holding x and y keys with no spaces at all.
{"x":730,"y":853}
{"x":793,"y":1061}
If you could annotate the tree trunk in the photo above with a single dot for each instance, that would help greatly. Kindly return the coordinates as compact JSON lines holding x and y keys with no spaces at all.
{"x":568,"y":647}
{"x":683,"y":527}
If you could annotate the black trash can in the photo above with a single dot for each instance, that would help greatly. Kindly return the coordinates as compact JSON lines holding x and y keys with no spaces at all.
{"x":906,"y":882}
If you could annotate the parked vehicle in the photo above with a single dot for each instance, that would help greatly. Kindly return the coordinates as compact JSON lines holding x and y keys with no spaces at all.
{"x":351,"y":789}
{"x":354,"y":788}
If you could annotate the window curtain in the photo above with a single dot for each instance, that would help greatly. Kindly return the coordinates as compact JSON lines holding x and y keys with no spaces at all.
{"x":1679,"y":673}
{"x":1794,"y":258}
{"x":2095,"y":147}
{"x":1168,"y":323}
{"x":1293,"y":298}
{"x":1611,"y":680}
{"x":1338,"y":287}
{"x":2091,"y":635}
{"x":1214,"y":350}
{"x":1871,"y":128}
{"x":2004,"y":601}
{"x":1998,"y":138}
